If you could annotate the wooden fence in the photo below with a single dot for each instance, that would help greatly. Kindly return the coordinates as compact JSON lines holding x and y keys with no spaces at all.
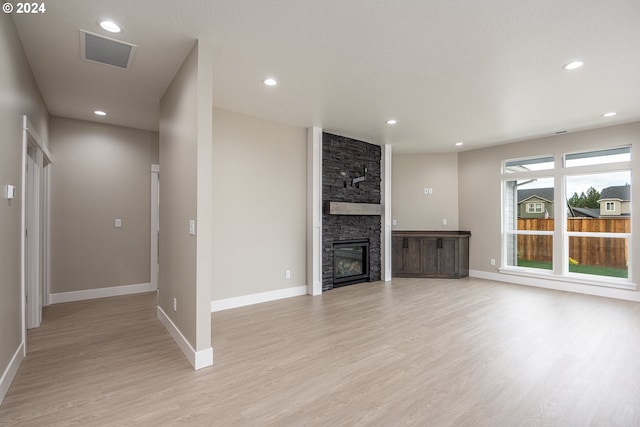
{"x":599,"y":251}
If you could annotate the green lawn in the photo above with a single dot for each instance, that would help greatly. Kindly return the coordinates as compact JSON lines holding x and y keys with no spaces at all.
{"x":584,"y":269}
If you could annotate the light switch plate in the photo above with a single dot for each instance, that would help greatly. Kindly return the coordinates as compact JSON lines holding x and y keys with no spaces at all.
{"x":192,"y":227}
{"x":118,"y":222}
{"x":10,"y":192}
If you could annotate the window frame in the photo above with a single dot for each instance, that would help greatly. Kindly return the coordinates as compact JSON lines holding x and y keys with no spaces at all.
{"x":534,"y":205}
{"x":560,"y":235}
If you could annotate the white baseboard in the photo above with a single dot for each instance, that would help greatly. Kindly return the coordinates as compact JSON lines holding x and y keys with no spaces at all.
{"x":558,"y":285}
{"x":10,"y":372}
{"x":100,"y":293}
{"x":235,"y":302}
{"x":198,"y":359}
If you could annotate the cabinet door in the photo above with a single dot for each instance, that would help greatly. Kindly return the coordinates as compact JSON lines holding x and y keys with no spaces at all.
{"x":412,"y":255}
{"x":430,"y":255}
{"x":397,"y":255}
{"x":405,"y":256}
{"x":449,"y":257}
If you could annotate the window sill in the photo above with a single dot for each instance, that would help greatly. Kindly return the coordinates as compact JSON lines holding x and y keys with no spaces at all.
{"x":581,"y":279}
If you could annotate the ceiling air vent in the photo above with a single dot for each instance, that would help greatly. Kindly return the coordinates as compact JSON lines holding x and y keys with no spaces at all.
{"x":104,"y":50}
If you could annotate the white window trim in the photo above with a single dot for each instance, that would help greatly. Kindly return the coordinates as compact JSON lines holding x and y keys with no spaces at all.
{"x":561,"y":272}
{"x":532,"y":207}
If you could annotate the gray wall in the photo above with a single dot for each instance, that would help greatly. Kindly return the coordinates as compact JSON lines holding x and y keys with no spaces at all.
{"x":101,"y":172}
{"x":480,"y":183}
{"x":186,"y":194}
{"x":259,"y":212}
{"x":410,"y":206}
{"x":19,"y":95}
{"x":177,"y":275}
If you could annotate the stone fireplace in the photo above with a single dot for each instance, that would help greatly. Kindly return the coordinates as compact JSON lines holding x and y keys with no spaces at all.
{"x":351,"y":220}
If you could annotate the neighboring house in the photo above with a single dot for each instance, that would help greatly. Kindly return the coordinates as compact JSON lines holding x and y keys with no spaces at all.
{"x":535,"y":203}
{"x":615,"y":201}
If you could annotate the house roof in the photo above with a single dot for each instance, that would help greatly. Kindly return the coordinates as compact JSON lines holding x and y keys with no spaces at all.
{"x":585,"y":212}
{"x":541,"y":193}
{"x":619,"y":192}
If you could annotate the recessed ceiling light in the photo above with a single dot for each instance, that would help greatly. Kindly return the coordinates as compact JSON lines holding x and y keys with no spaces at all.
{"x":99,"y":113}
{"x":270,"y":81}
{"x":573,"y":65}
{"x":392,"y":121}
{"x":459,"y":143}
{"x":609,"y":114}
{"x":110,"y":26}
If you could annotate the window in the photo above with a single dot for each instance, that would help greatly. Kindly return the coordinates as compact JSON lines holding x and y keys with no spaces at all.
{"x":530,"y":164}
{"x":571,"y":218}
{"x":600,"y":157}
{"x":598,"y":234}
{"x":534,"y":207}
{"x":528,"y":227}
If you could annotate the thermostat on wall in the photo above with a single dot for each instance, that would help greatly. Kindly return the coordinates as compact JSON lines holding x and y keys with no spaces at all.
{"x":10,"y":192}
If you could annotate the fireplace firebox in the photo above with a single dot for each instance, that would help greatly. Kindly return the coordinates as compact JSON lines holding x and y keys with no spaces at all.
{"x":350,"y":262}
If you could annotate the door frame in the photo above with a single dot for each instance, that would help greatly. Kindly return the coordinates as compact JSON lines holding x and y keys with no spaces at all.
{"x":155,"y":224}
{"x":34,"y":250}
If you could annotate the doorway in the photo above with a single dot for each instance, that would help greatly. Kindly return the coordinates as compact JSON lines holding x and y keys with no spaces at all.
{"x":155,"y":225}
{"x":35,"y":199}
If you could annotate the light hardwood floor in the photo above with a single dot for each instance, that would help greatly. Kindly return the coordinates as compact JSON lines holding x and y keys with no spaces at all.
{"x":421,"y":352}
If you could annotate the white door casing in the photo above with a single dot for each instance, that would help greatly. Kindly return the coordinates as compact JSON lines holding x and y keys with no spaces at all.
{"x":155,"y":224}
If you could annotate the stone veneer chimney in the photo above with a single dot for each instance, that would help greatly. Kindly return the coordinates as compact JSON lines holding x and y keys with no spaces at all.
{"x":344,"y":161}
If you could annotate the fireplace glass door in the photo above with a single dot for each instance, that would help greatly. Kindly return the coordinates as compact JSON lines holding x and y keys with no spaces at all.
{"x":351,"y":262}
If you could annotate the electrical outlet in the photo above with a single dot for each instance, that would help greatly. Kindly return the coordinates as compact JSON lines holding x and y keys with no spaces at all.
{"x":445,"y":222}
{"x":394,"y":222}
{"x":118,"y":222}
{"x":175,"y":304}
{"x":287,"y":274}
{"x":493,"y":261}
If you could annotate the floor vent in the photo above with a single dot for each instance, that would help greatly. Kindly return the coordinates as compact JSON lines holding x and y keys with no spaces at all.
{"x":103,"y":50}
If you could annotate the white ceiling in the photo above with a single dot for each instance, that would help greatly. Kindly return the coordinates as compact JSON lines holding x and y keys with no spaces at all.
{"x":482,"y":72}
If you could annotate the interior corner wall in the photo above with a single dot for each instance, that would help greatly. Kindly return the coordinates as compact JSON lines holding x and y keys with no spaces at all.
{"x":411,"y":208}
{"x":480,"y":185}
{"x":20,"y":95}
{"x":100,"y":173}
{"x":178,"y":198}
{"x":259,"y":193}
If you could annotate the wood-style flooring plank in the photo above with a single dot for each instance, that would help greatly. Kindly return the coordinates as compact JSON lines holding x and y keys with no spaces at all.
{"x":421,"y":352}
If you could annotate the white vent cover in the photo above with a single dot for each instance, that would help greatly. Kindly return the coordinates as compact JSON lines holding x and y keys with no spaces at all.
{"x":103,"y":50}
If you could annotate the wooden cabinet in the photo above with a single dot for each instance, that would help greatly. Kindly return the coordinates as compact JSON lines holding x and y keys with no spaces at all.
{"x":430,"y":254}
